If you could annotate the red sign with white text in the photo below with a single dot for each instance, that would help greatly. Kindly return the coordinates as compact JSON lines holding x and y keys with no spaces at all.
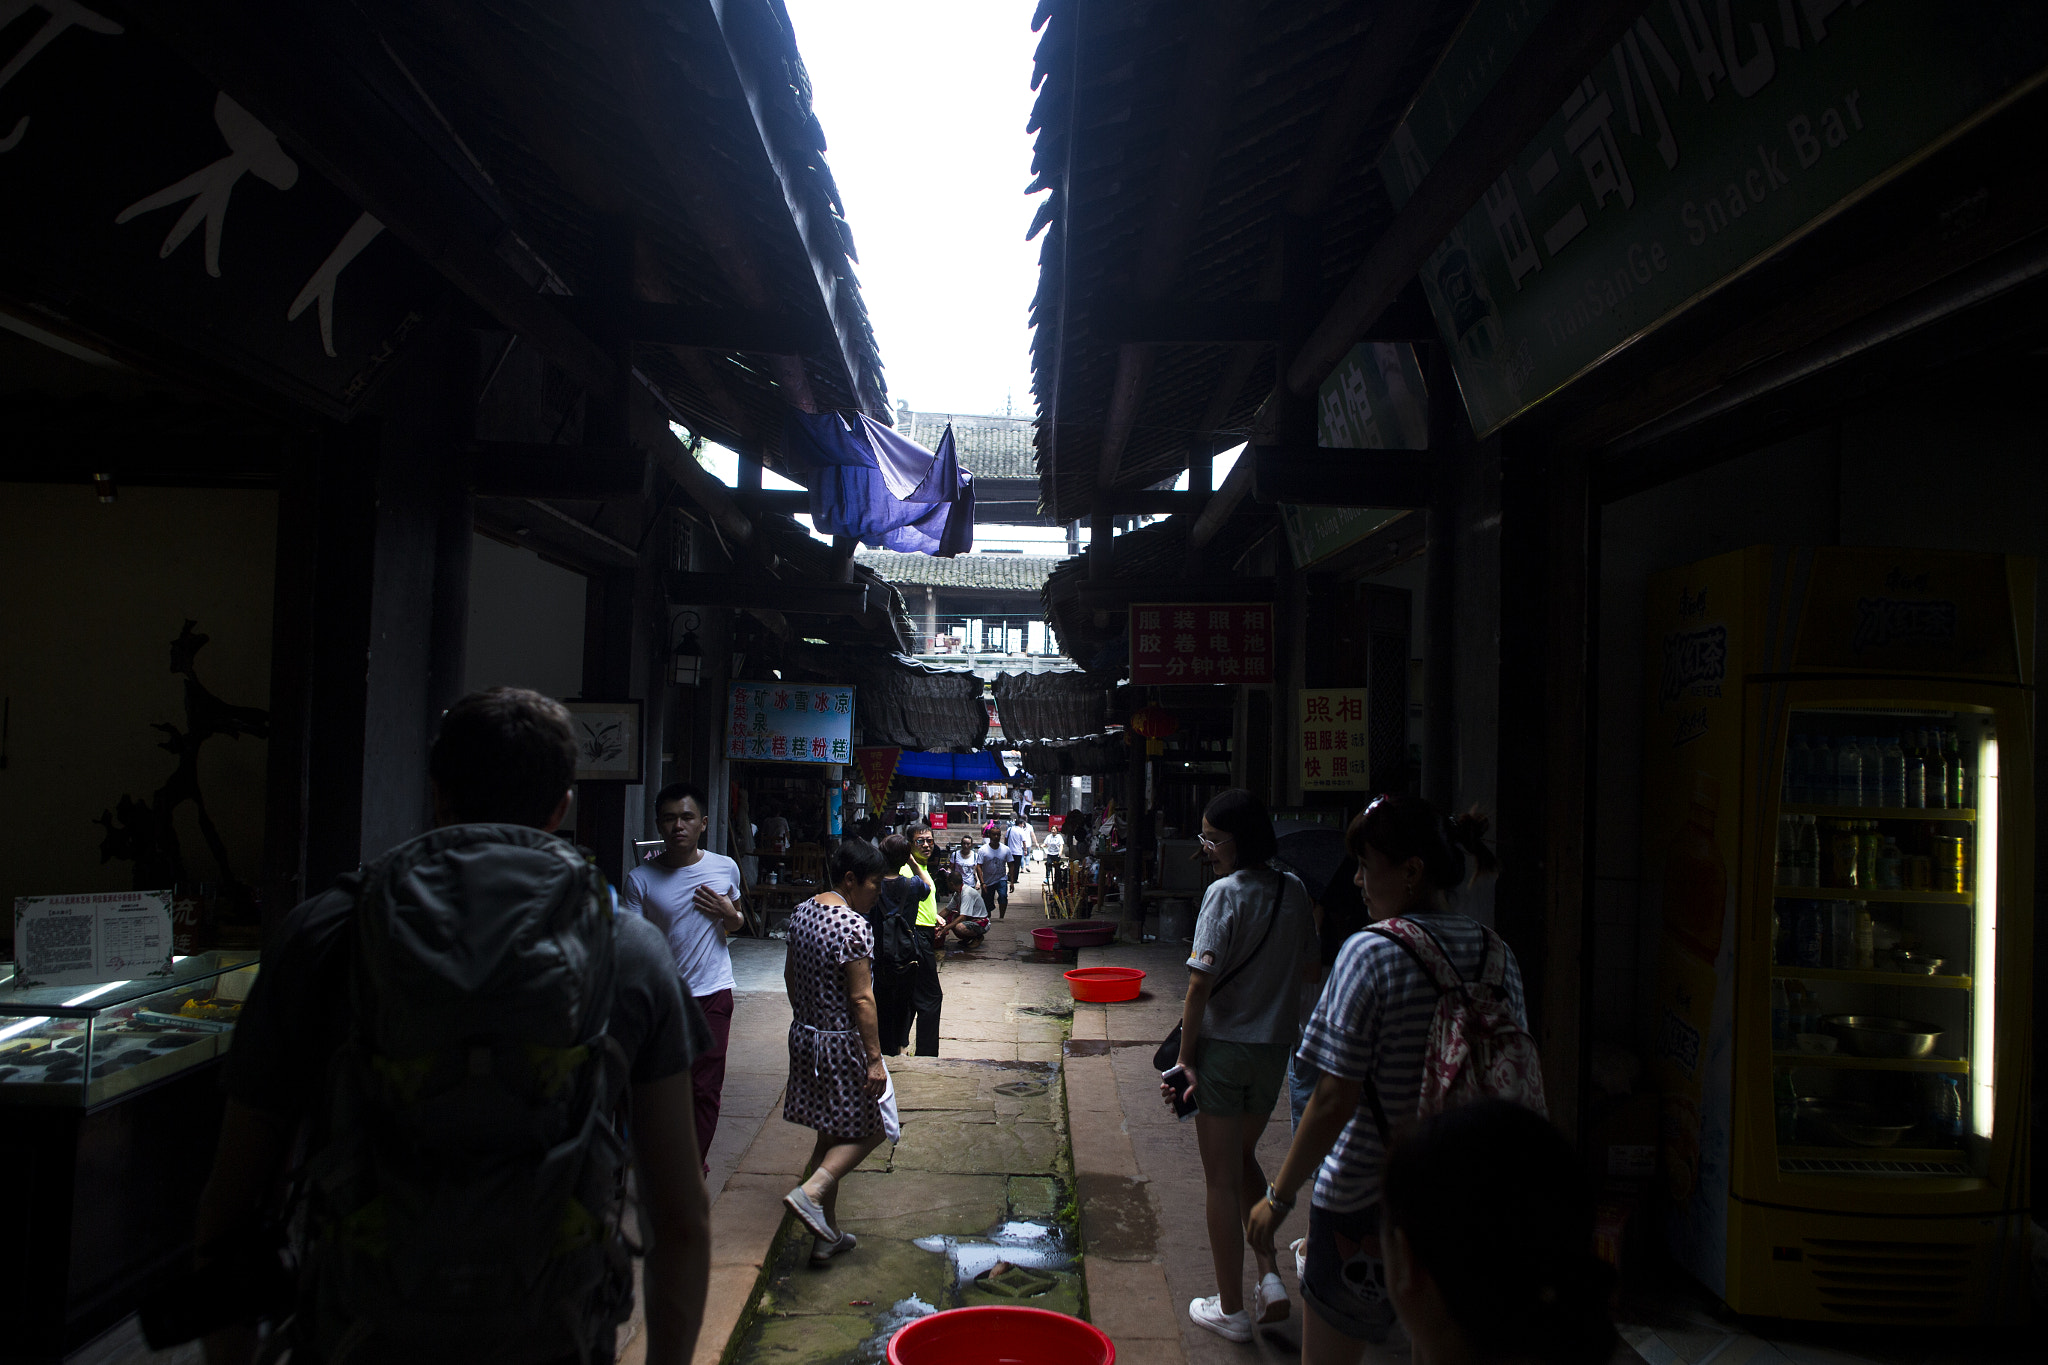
{"x":1201,"y":642}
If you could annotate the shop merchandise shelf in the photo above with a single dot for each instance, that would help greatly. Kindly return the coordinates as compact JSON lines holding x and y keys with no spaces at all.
{"x":1872,"y":978}
{"x":1835,"y":1061}
{"x":1876,"y":812}
{"x":1853,"y":893}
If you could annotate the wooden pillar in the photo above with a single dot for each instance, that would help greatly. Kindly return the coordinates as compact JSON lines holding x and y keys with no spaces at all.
{"x":1139,"y":821}
{"x":1542,"y":905}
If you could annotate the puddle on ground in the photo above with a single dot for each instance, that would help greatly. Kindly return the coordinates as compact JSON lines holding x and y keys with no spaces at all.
{"x":1033,"y":1246}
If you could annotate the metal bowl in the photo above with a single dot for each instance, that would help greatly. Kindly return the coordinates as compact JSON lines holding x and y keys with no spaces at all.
{"x":1875,"y":1035}
{"x":1857,"y":1125}
{"x":1917,"y":964}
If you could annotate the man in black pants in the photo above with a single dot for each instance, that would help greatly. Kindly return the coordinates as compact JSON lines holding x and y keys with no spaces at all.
{"x":926,"y":996}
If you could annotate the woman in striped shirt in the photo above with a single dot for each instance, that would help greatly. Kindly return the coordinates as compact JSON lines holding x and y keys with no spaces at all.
{"x":1370,"y":1029}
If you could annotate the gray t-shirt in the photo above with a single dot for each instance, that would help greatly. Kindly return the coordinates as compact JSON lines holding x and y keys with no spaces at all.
{"x":1260,"y":1004}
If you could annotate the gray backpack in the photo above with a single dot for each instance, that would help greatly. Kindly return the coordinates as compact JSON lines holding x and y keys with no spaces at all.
{"x":467,"y":1204}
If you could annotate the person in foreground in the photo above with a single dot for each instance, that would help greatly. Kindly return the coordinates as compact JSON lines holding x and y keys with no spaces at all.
{"x":463,"y":1018}
{"x":1489,"y":1242}
{"x":1254,"y":939}
{"x":838,"y":1083}
{"x":1366,"y":1042}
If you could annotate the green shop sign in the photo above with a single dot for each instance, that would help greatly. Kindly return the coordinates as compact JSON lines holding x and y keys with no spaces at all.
{"x":1316,"y":533}
{"x":1716,"y":131}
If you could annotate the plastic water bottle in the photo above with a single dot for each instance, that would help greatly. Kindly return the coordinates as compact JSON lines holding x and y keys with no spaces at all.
{"x":1820,"y":772}
{"x":1799,"y":771}
{"x":1849,"y":773}
{"x":1916,"y":771}
{"x":1948,"y":1118}
{"x":1873,"y":771}
{"x":1894,"y":794}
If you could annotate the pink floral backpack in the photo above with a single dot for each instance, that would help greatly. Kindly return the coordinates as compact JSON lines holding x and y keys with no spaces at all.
{"x":1476,"y":1049}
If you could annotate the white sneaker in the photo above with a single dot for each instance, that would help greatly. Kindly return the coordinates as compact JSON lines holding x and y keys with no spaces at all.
{"x":1300,"y":1249}
{"x":1230,"y":1326}
{"x":1270,"y":1303}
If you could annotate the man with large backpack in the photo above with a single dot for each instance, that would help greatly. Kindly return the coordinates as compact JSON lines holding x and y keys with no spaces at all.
{"x":470,"y":1046}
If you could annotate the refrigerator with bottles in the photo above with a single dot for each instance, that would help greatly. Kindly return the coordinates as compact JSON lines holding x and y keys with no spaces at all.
{"x":1838,"y":846}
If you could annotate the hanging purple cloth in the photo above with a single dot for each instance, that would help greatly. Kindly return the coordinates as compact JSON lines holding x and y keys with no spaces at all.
{"x":886,"y":490}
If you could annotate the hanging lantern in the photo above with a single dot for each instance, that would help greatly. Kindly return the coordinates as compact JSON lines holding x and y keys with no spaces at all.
{"x":689,"y":658}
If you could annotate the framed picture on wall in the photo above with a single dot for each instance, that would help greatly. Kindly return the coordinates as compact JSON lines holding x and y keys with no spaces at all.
{"x":607,"y":740}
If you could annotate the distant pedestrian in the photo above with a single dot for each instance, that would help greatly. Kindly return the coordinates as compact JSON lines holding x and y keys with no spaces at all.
{"x":1489,"y":1242}
{"x":693,"y":897}
{"x":838,"y":1083}
{"x":992,"y":871}
{"x":1366,"y":1041}
{"x":1254,"y":940}
{"x":900,"y":946}
{"x":1018,"y":840}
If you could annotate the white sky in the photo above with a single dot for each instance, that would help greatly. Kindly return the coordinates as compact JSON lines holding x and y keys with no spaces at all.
{"x":924,"y":104}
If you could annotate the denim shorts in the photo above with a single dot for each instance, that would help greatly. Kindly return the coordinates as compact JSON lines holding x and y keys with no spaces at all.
{"x":1343,"y":1281}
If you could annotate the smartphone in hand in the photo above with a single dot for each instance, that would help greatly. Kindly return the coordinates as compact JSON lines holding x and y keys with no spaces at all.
{"x":1183,"y":1098}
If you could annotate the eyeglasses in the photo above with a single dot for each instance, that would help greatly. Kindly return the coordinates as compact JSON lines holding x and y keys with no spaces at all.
{"x":1213,"y":844}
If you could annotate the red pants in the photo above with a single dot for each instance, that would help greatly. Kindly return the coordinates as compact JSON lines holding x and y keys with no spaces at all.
{"x":707,"y":1073}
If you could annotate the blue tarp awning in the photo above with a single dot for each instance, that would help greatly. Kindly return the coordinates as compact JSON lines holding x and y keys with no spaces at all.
{"x":979,"y":766}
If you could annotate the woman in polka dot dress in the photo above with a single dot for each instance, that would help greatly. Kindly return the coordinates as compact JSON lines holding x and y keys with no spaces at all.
{"x":838,"y":1083}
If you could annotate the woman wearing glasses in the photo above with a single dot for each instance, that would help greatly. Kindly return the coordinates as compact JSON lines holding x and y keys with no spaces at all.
{"x":1254,"y":940}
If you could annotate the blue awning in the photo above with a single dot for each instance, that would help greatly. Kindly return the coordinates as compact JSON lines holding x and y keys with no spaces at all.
{"x":979,"y":766}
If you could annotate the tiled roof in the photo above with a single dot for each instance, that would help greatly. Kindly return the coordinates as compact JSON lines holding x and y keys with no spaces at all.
{"x":997,"y":573}
{"x":989,"y":447}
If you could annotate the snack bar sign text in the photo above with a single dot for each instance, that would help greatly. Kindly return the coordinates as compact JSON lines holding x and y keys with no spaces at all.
{"x":1201,"y":642}
{"x":777,"y":722}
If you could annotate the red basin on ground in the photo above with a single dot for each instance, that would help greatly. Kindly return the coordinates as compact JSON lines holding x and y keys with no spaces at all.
{"x":1105,"y":984}
{"x":1048,"y":939}
{"x":998,"y":1334}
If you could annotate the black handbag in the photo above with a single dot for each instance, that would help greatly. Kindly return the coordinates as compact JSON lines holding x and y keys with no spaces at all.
{"x":1168,"y":1055}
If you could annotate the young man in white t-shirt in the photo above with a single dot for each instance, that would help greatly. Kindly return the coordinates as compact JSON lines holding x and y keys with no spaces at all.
{"x":693,"y":897}
{"x":992,"y":872}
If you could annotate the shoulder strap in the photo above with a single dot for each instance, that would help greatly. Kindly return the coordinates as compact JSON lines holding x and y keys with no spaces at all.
{"x":1278,"y":892}
{"x":1422,"y":945}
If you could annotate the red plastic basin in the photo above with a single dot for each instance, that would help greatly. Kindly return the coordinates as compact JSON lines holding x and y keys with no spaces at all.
{"x":1047,"y":939}
{"x":1105,"y":984}
{"x":998,"y":1334}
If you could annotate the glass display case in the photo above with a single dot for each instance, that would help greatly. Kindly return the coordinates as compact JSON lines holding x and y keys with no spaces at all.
{"x":82,"y":1045}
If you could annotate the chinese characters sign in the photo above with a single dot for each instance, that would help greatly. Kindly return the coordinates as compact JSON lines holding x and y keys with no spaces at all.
{"x":1703,"y":140}
{"x":1374,"y":400}
{"x":1201,"y":642}
{"x":1331,"y":722}
{"x":787,"y":723}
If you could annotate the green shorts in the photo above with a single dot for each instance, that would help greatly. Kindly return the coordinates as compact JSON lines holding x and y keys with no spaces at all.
{"x":1234,"y":1079}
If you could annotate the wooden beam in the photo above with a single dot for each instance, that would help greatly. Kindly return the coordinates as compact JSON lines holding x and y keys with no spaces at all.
{"x":1565,"y":44}
{"x":1152,"y":501}
{"x":1118,"y":593}
{"x":1315,"y":477}
{"x":522,"y":469}
{"x":789,"y":502}
{"x":748,"y":590}
{"x":708,"y":329}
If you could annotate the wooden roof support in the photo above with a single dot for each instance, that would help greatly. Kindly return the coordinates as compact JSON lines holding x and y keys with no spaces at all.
{"x":740,"y":21}
{"x":1566,"y":44}
{"x":1208,"y":83}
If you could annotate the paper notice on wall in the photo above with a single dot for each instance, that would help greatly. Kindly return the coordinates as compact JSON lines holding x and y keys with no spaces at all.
{"x":94,"y":936}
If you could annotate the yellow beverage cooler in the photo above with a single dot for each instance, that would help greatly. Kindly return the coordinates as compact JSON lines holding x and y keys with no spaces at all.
{"x":1838,"y":844}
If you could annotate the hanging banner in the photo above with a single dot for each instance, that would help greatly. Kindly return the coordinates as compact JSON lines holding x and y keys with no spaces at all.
{"x":778,"y":722}
{"x":1335,"y":755}
{"x":877,"y":773}
{"x":1706,"y":139}
{"x":1201,"y":642}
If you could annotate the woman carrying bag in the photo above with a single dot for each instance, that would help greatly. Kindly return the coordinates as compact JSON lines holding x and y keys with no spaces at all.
{"x":1254,"y":940}
{"x":896,"y":944}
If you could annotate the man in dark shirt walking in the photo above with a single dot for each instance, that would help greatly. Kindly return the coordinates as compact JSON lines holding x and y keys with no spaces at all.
{"x":452,"y":917}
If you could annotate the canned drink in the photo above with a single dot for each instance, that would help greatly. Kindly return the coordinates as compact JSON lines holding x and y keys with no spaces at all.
{"x":1844,"y":855}
{"x":1919,"y":873}
{"x":1948,"y":862}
